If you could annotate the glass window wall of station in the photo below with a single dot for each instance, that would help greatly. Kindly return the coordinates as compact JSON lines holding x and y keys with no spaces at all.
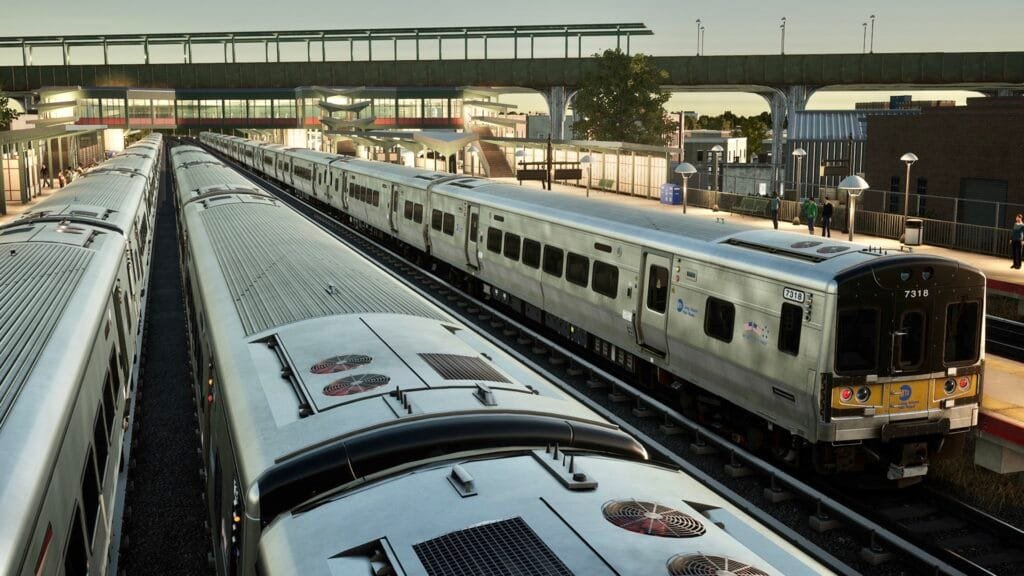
{"x":435,"y":108}
{"x":113,"y":110}
{"x":188,"y":109}
{"x":140,"y":110}
{"x":163,"y":111}
{"x":235,"y":109}
{"x":284,"y":109}
{"x":90,"y":108}
{"x":260,"y":109}
{"x":210,"y":109}
{"x":409,"y":108}
{"x":384,"y":108}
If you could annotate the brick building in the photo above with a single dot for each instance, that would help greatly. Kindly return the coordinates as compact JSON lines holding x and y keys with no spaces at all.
{"x":971,"y":167}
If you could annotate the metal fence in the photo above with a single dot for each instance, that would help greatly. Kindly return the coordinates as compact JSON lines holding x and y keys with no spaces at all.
{"x":947,"y":222}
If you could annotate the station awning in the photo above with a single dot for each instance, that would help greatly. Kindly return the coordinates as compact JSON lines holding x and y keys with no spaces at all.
{"x":498,"y":106}
{"x":446,"y":143}
{"x":502,"y":121}
{"x":45,"y":133}
{"x":342,"y":124}
{"x":354,"y":107}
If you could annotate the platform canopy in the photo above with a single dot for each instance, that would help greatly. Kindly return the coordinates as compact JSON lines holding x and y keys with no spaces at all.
{"x":446,"y":143}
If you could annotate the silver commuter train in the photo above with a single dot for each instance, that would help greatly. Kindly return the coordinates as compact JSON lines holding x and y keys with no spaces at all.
{"x":74,"y":273}
{"x":351,"y":427}
{"x":827,"y":343}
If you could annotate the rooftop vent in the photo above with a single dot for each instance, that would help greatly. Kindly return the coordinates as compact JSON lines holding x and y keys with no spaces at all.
{"x":355,"y":384}
{"x":503,"y":548}
{"x":805,"y":244}
{"x":340,"y":363}
{"x":701,"y":565}
{"x":832,"y":249}
{"x":456,"y":367}
{"x":652,"y":519}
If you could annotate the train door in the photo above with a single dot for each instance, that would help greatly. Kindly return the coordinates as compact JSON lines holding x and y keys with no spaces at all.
{"x":909,"y":333}
{"x":343,"y":182}
{"x":651,"y":332}
{"x":393,"y":209}
{"x":472,"y":237}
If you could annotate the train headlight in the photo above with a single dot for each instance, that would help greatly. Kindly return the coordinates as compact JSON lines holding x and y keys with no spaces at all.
{"x":949,"y":386}
{"x":863,"y":393}
{"x":846,"y":394}
{"x":964,"y":382}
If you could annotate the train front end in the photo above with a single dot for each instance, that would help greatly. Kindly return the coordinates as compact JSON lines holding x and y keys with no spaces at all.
{"x":907,"y":359}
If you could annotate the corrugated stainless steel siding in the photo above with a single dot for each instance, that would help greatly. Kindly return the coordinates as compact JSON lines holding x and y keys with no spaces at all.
{"x":35,"y":287}
{"x":278,"y":270}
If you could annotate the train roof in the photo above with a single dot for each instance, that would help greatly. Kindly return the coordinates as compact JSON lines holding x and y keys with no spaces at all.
{"x":810,"y":260}
{"x":519,"y":511}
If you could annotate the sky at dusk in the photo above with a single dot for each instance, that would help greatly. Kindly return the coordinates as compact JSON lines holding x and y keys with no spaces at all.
{"x":736,"y":27}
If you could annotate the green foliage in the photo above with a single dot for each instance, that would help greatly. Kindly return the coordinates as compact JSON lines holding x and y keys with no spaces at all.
{"x":754,"y":128}
{"x":622,"y":100}
{"x":7,"y":114}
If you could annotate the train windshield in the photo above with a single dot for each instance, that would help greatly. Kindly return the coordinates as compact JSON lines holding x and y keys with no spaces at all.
{"x":910,"y":341}
{"x":963,"y":328}
{"x":857,"y":340}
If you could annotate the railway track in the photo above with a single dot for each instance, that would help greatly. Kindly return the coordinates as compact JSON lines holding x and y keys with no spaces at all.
{"x":1004,"y":338}
{"x":888,"y":536}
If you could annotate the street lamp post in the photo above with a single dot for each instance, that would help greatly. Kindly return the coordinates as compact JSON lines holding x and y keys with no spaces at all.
{"x":702,"y":35}
{"x":908,"y":159}
{"x":586,"y":160}
{"x":864,"y":41}
{"x":783,"y":26}
{"x":799,"y":154}
{"x":716,"y":150}
{"x":854,"y":186}
{"x":685,"y":169}
{"x":698,"y":36}
{"x":872,"y":33}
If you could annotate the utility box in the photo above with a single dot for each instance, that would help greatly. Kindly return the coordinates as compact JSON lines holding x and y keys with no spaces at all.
{"x":913,"y":233}
{"x":671,"y":194}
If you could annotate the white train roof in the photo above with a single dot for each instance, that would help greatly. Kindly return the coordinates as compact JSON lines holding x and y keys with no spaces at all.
{"x":517,"y":512}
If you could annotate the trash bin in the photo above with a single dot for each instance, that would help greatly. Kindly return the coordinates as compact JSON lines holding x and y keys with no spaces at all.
{"x":913,"y":232}
{"x":671,"y":194}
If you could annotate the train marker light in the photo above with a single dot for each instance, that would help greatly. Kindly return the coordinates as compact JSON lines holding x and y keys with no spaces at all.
{"x":964,"y":382}
{"x":863,"y":393}
{"x":845,"y":394}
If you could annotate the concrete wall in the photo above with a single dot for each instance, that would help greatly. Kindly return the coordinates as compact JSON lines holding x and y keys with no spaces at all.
{"x":747,"y":178}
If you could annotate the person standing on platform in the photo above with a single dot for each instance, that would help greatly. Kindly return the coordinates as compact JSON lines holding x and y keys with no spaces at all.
{"x":774,"y":208}
{"x":1017,"y":240}
{"x":826,"y":220}
{"x":811,"y":212}
{"x":44,"y":175}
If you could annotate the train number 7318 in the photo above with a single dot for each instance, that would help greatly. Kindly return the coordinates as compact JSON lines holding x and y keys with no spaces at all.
{"x":915,"y":293}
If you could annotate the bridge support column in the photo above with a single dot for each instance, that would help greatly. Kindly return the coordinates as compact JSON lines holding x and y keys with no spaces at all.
{"x":558,"y":98}
{"x":777,"y":105}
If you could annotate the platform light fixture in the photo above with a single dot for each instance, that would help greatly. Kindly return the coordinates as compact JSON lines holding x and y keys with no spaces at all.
{"x":587,"y":161}
{"x":909,"y":158}
{"x":698,"y":36}
{"x":783,"y":27}
{"x":799,"y":155}
{"x":685,"y":169}
{"x":854,"y":187}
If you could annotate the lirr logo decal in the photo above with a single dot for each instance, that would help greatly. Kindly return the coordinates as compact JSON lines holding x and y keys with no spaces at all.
{"x":794,"y":295}
{"x":681,"y":307}
{"x":905,"y":392}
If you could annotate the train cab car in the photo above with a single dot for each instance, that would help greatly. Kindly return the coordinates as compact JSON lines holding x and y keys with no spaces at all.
{"x":74,"y":269}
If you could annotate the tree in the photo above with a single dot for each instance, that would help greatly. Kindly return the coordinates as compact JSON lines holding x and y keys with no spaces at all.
{"x":756,"y":130}
{"x":621,"y":100}
{"x":7,"y":114}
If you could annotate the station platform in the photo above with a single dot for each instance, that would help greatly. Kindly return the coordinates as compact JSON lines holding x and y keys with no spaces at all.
{"x":16,"y":209}
{"x":1000,"y":439}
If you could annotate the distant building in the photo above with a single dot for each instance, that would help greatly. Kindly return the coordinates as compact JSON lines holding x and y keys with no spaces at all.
{"x":834,"y":141}
{"x":904,"y":103}
{"x":971,"y":163}
{"x":538,"y":126}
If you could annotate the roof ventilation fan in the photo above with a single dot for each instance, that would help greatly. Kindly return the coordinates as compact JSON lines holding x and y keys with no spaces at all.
{"x":340,"y":363}
{"x":355,"y":384}
{"x":652,"y":519}
{"x":701,"y":565}
{"x":805,"y":244}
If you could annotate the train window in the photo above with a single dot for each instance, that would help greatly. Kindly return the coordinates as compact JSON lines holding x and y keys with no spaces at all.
{"x":417,"y":213}
{"x":474,"y":226}
{"x":436,"y":217}
{"x":577,"y":269}
{"x":101,"y":441}
{"x":553,"y":261}
{"x":857,"y":340}
{"x":376,"y":197}
{"x":531,"y":253}
{"x":448,"y":226}
{"x":657,"y":289}
{"x":605,"y":279}
{"x":910,"y":340}
{"x":789,"y":328}
{"x":408,"y":210}
{"x":494,"y":240}
{"x":90,"y":495}
{"x":512,"y":244}
{"x":75,"y":557}
{"x":962,"y":331}
{"x":719,"y":319}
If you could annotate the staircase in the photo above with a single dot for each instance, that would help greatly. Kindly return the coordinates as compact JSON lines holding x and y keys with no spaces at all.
{"x":493,"y":158}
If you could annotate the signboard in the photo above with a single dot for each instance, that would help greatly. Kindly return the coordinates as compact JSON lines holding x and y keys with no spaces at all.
{"x":762,"y":188}
{"x":532,"y":175}
{"x":568,"y":173}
